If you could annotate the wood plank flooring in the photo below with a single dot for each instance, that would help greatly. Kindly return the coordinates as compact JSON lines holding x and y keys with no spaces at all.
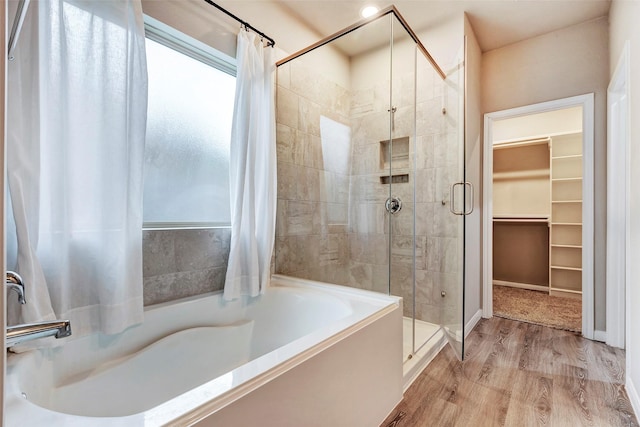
{"x":520,"y":374}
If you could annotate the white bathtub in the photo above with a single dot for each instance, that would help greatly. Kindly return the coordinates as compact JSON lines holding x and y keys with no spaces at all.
{"x":304,"y":353}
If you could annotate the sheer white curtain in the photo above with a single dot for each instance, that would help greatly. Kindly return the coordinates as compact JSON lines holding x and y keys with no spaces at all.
{"x":76,"y":131}
{"x":252,"y":171}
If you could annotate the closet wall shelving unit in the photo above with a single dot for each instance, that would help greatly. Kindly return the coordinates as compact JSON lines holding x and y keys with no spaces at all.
{"x":565,"y":254}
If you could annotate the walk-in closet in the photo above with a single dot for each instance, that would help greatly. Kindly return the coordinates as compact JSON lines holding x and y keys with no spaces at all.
{"x":537,"y":214}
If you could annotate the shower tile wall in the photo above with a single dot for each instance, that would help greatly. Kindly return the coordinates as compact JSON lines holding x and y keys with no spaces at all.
{"x":313,"y":148}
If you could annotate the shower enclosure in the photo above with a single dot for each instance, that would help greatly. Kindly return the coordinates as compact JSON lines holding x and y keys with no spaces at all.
{"x":371,"y":180}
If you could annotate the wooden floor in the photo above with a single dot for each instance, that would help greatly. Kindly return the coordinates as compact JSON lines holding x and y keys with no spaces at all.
{"x":519,"y":374}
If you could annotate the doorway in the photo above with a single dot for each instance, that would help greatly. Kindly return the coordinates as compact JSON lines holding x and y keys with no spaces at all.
{"x":538,"y":214}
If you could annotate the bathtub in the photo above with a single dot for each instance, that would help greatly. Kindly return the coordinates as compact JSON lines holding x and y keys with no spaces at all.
{"x":304,"y":353}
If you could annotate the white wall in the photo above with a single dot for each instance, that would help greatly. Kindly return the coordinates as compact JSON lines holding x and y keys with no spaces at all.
{"x":623,"y":19}
{"x":473,"y":146}
{"x":568,"y":62}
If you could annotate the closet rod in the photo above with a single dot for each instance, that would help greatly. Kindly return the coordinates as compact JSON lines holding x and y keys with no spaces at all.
{"x":245,"y":24}
{"x":21,"y":12}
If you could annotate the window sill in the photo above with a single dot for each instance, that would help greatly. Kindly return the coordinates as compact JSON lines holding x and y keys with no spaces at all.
{"x":183,"y":226}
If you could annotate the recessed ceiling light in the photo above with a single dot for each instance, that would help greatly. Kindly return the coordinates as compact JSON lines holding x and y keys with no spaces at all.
{"x":368,"y":11}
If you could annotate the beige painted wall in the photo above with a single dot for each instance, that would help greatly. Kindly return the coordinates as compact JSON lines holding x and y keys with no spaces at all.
{"x":533,"y":126}
{"x":445,"y":42}
{"x":568,"y":62}
{"x":623,"y":20}
{"x":473,"y":146}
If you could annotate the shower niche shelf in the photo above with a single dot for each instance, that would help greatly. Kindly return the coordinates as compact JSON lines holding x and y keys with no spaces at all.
{"x":394,"y":179}
{"x":395,"y":154}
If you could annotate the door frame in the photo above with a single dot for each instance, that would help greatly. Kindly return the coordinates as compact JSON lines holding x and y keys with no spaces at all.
{"x":587,"y":103}
{"x":618,"y":170}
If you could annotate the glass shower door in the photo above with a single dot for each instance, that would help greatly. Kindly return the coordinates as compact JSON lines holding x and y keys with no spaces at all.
{"x":457,"y":195}
{"x":440,"y":204}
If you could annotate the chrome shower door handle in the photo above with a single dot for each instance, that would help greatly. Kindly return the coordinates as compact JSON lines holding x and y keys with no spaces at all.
{"x":452,"y":198}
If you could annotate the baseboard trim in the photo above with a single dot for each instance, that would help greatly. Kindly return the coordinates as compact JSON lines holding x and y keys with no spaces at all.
{"x":600,"y":336}
{"x":472,"y":322}
{"x":562,"y":293}
{"x":634,"y":398}
{"x":531,"y":287}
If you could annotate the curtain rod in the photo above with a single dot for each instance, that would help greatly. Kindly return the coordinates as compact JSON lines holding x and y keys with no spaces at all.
{"x":21,"y":11}
{"x":245,"y":24}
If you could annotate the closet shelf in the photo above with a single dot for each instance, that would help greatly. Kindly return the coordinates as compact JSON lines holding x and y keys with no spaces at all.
{"x":566,"y":201}
{"x":567,"y":246}
{"x":567,"y":223}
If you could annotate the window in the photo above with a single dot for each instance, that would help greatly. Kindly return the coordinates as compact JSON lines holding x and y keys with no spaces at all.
{"x":191,"y":96}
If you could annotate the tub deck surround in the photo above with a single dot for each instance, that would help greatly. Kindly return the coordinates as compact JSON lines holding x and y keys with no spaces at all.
{"x":201,"y":360}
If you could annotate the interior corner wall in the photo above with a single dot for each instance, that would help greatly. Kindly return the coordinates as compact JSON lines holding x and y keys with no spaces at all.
{"x":444,"y":42}
{"x":564,"y":63}
{"x":624,"y":26}
{"x":291,"y":35}
{"x":473,"y":147}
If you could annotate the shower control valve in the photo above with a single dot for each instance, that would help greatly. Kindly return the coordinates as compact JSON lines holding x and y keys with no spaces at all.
{"x":393,"y":205}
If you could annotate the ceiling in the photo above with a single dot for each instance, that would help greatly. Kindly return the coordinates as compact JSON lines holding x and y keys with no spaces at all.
{"x":496,"y":23}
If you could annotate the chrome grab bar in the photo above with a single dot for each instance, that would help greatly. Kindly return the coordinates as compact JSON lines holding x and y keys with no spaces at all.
{"x":31,"y":331}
